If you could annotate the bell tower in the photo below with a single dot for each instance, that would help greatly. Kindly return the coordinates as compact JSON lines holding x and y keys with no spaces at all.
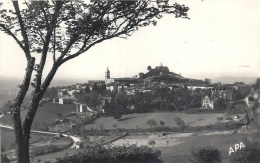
{"x":107,"y":74}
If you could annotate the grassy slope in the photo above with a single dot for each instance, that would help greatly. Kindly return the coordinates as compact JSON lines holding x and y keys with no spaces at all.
{"x":7,"y":138}
{"x":131,"y":120}
{"x":45,"y":114}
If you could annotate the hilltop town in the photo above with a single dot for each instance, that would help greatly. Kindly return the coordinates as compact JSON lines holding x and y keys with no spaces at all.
{"x":158,"y":89}
{"x":146,"y":109}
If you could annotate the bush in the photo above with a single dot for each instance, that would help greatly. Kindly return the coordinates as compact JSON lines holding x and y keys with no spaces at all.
{"x":229,"y":118}
{"x":179,"y":121}
{"x":151,"y":122}
{"x":249,"y":154}
{"x":114,"y":154}
{"x":117,"y":116}
{"x":4,"y":159}
{"x":206,"y":155}
{"x":151,"y":142}
{"x":220,"y":118}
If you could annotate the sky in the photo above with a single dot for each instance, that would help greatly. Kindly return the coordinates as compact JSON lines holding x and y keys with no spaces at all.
{"x":220,"y":39}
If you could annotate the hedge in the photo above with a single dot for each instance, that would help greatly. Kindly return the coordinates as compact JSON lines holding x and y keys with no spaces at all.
{"x":114,"y":154}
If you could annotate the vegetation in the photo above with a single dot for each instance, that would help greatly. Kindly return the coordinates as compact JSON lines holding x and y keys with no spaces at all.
{"x":151,"y":122}
{"x":152,"y":142}
{"x":179,"y":122}
{"x":206,"y":155}
{"x":162,"y":123}
{"x":67,"y":29}
{"x":115,"y":154}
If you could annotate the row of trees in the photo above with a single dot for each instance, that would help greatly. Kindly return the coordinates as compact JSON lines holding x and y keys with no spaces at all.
{"x":162,"y":99}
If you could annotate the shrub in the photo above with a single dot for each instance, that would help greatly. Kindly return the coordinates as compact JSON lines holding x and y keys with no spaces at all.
{"x":220,"y":118}
{"x":115,"y":154}
{"x":179,"y":121}
{"x":117,"y":116}
{"x":229,"y":118}
{"x":162,"y":123}
{"x":151,"y":122}
{"x":151,"y":142}
{"x":249,"y":154}
{"x":206,"y":155}
{"x":4,"y":159}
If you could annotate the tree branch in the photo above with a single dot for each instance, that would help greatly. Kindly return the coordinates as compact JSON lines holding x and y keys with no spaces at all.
{"x":57,"y":9}
{"x":23,"y":30}
{"x":13,"y":36}
{"x":91,"y":45}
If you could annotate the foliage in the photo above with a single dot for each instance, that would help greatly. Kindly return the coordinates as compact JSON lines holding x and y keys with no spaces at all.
{"x":117,"y":116}
{"x":115,"y":154}
{"x":115,"y":125}
{"x":179,"y":121}
{"x":162,"y":123}
{"x":4,"y":159}
{"x":249,"y":154}
{"x":206,"y":155}
{"x":149,"y":68}
{"x":101,"y":125}
{"x":151,"y":122}
{"x":151,"y":142}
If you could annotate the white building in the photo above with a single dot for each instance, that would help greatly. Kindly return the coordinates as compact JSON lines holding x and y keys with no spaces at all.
{"x":207,"y":103}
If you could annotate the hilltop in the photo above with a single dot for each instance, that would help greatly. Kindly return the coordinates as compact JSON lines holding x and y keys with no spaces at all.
{"x":163,"y":74}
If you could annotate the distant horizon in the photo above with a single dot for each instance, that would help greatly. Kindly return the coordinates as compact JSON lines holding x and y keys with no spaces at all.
{"x":223,"y":79}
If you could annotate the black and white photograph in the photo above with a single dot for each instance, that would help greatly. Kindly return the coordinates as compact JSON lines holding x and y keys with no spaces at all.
{"x":130,"y":81}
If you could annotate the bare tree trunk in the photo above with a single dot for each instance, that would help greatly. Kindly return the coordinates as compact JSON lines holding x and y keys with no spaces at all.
{"x":26,"y":152}
{"x":15,"y":111}
{"x":18,"y":136}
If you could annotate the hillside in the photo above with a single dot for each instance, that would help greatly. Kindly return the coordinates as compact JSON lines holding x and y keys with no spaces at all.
{"x":162,"y":73}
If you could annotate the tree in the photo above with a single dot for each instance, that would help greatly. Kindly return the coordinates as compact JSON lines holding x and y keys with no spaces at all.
{"x":151,"y":123}
{"x":95,"y":87}
{"x":207,"y":81}
{"x":117,"y":116}
{"x":149,"y":68}
{"x":141,"y":74}
{"x":114,"y":125}
{"x":101,"y":125}
{"x":179,"y":122}
{"x":152,"y":142}
{"x":162,"y":123}
{"x":106,"y":107}
{"x":64,"y":30}
{"x":206,"y":155}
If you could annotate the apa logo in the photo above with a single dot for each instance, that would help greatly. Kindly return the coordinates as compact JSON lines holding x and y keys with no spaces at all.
{"x":237,"y":146}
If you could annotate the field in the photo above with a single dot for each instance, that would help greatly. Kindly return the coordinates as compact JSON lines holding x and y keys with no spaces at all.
{"x":182,"y":152}
{"x":45,"y":114}
{"x":133,"y":121}
{"x":177,"y":147}
{"x":8,"y":142}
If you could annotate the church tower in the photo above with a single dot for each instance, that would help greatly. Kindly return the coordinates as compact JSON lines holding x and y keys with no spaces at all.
{"x":107,"y":74}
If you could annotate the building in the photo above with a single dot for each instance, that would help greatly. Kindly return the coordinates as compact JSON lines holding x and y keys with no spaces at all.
{"x":198,"y":87}
{"x":80,"y":108}
{"x":207,"y":103}
{"x":62,"y":92}
{"x":121,"y":81}
{"x":65,"y":100}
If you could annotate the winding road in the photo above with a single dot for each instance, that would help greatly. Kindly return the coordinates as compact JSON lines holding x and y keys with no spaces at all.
{"x":75,"y":139}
